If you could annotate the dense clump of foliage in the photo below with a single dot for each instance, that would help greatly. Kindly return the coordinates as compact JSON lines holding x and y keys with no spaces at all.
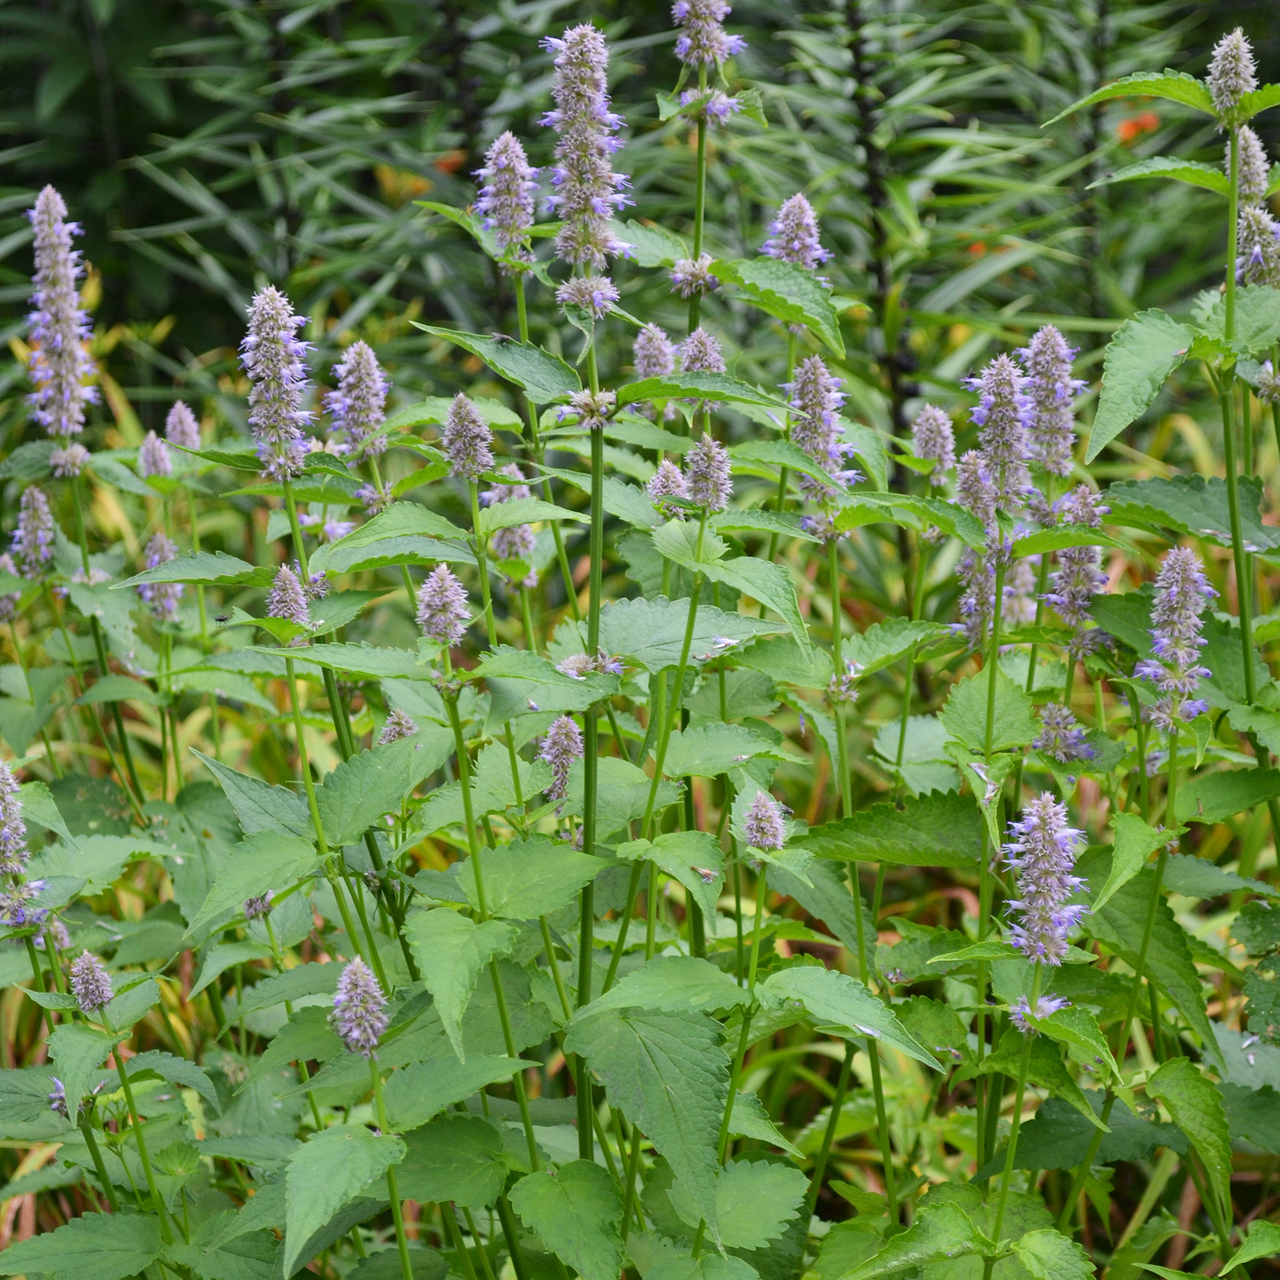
{"x":746,"y":784}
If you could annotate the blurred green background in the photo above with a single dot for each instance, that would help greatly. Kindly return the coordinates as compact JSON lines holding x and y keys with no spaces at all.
{"x":211,"y":146}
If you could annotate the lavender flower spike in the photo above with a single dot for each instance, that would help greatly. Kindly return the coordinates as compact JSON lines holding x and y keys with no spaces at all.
{"x":668,"y":482}
{"x":934,"y":438}
{"x":13,"y":831}
{"x":33,"y":539}
{"x":560,"y":748}
{"x":505,"y":201}
{"x":793,"y":235}
{"x":181,"y":427}
{"x":1051,"y":430}
{"x":90,"y":983}
{"x":587,"y":191}
{"x":442,"y":607}
{"x":703,"y":39}
{"x":399,"y":725}
{"x":1182,"y":595}
{"x":359,"y":1009}
{"x":1232,"y":74}
{"x":816,"y":398}
{"x":466,"y":439}
{"x":1061,"y":736}
{"x":1258,"y":247}
{"x":516,"y":542}
{"x":1079,"y":576}
{"x":701,"y":353}
{"x":358,"y":406}
{"x":764,"y":826}
{"x":1043,"y":857}
{"x":256,"y":908}
{"x":287,"y":598}
{"x":1253,"y":173}
{"x":1004,"y":413}
{"x":708,"y":475}
{"x":60,"y":367}
{"x":271,"y":355}
{"x":654,"y":353}
{"x":162,"y":597}
{"x":153,"y":457}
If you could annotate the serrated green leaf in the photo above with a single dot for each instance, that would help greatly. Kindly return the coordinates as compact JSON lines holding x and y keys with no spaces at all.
{"x":186,"y":1075}
{"x":1263,"y":1241}
{"x":419,"y":1092}
{"x":691,"y":857}
{"x":965,"y":715}
{"x":326,"y":1173}
{"x":258,"y":863}
{"x":708,"y":750}
{"x":1215,"y":797}
{"x":1195,"y":505}
{"x":1210,"y":177}
{"x":673,"y":983}
{"x":455,"y":1157}
{"x":1196,"y":1107}
{"x":785,"y":291}
{"x":40,"y":808}
{"x":529,"y":878}
{"x":754,"y":1202}
{"x":77,"y":1052}
{"x":302,"y":980}
{"x":575,"y":1210}
{"x":1138,"y":360}
{"x":1046,"y":1069}
{"x":652,"y":245}
{"x":650,"y":632}
{"x":1060,"y":538}
{"x":1133,"y":844}
{"x":370,"y":783}
{"x":941,"y":829}
{"x":1176,"y":86}
{"x":703,"y":386}
{"x":884,"y":643}
{"x":258,"y":805}
{"x":98,"y":1246}
{"x":543,"y":376}
{"x":1049,"y":1255}
{"x":210,"y":568}
{"x":505,"y":515}
{"x":939,"y":1233}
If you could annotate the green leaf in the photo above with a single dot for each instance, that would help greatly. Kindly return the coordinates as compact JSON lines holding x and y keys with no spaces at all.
{"x":708,"y":750}
{"x":98,"y":1246}
{"x":455,"y":1157}
{"x":1195,"y":877}
{"x":965,"y":715}
{"x":1176,"y":86}
{"x":529,"y":878}
{"x":40,"y":808}
{"x":884,"y":643}
{"x":750,"y":1120}
{"x":117,"y":688}
{"x":249,"y":1257}
{"x":826,"y":897}
{"x":303,"y":980}
{"x":186,"y":1075}
{"x":435,"y":409}
{"x":365,"y":660}
{"x":765,"y":581}
{"x":1193,"y":505}
{"x":1196,"y":1107}
{"x":260,"y":862}
{"x":1045,"y":1069}
{"x":691,"y":857}
{"x":1138,"y":360}
{"x":1134,"y":843}
{"x":755,"y":1200}
{"x":685,"y":984}
{"x":77,"y":1052}
{"x":1078,"y":1029}
{"x":505,"y":515}
{"x":941,"y":829}
{"x":777,"y":453}
{"x":835,"y":1001}
{"x":669,"y":1075}
{"x":703,"y":386}
{"x":1060,"y":538}
{"x":939,"y":1233}
{"x":258,"y":805}
{"x":1257,"y":928}
{"x":1257,"y":320}
{"x":543,"y":376}
{"x":419,"y":1092}
{"x":651,"y":245}
{"x":1252,"y":1114}
{"x":1263,"y":1241}
{"x":451,"y":950}
{"x":210,"y":568}
{"x":362,"y":788}
{"x":575,"y":1210}
{"x":1049,"y":1255}
{"x":650,"y":632}
{"x":1215,"y":797}
{"x":1209,"y":176}
{"x":327,"y":1172}
{"x":785,"y":291}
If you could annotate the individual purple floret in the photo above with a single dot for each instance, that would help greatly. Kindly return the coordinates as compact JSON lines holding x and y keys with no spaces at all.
{"x":1046,"y":1006}
{"x":934,"y":438}
{"x":560,"y":748}
{"x":816,"y":398}
{"x":33,"y":539}
{"x":271,"y":355}
{"x":375,"y":503}
{"x":256,"y":908}
{"x":466,"y":439}
{"x":793,"y":235}
{"x":593,"y":294}
{"x":181,"y":427}
{"x":358,"y":407}
{"x":1043,"y":857}
{"x":359,"y":1009}
{"x":1258,"y":247}
{"x":1232,"y":74}
{"x":287,"y":598}
{"x":442,"y":607}
{"x":60,"y":366}
{"x":692,"y":276}
{"x":153,"y":457}
{"x":16,"y":911}
{"x":764,"y":826}
{"x":1004,"y":413}
{"x":1182,"y":595}
{"x":843,"y":686}
{"x":703,"y":39}
{"x":13,"y":831}
{"x":1061,"y":736}
{"x":587,"y":191}
{"x":505,"y":202}
{"x":90,"y":983}
{"x":399,"y":725}
{"x":668,"y":482}
{"x":1051,"y":430}
{"x":58,"y":1099}
{"x":1253,"y":173}
{"x":708,"y":475}
{"x":161,"y":597}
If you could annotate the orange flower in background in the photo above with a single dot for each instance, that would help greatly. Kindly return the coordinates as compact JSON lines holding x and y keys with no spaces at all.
{"x":1134,"y":127}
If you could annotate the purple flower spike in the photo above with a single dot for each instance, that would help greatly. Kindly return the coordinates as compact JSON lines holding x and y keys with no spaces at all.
{"x":1046,"y":1006}
{"x":90,"y":983}
{"x":1253,"y":173}
{"x":654,"y":353}
{"x":1232,"y":74}
{"x":33,"y":539}
{"x":587,"y":191}
{"x":517,"y":542}
{"x":668,"y":482}
{"x":153,"y":457}
{"x":593,"y":294}
{"x":708,"y":475}
{"x":701,"y":354}
{"x":934,"y":438}
{"x":703,"y":39}
{"x":13,"y":831}
{"x":287,"y":598}
{"x":1258,"y":247}
{"x":1051,"y":431}
{"x":59,"y":366}
{"x":816,"y":398}
{"x":974,"y":489}
{"x":1061,"y":736}
{"x":271,"y":355}
{"x":764,"y":825}
{"x":692,"y":276}
{"x":256,"y":908}
{"x":505,"y":201}
{"x":793,"y":235}
{"x":399,"y":725}
{"x":181,"y":427}
{"x":466,"y":439}
{"x":358,"y":407}
{"x":1043,"y":857}
{"x":442,"y":607}
{"x":359,"y":1009}
{"x":1004,"y":413}
{"x":161,"y":597}
{"x":560,"y":748}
